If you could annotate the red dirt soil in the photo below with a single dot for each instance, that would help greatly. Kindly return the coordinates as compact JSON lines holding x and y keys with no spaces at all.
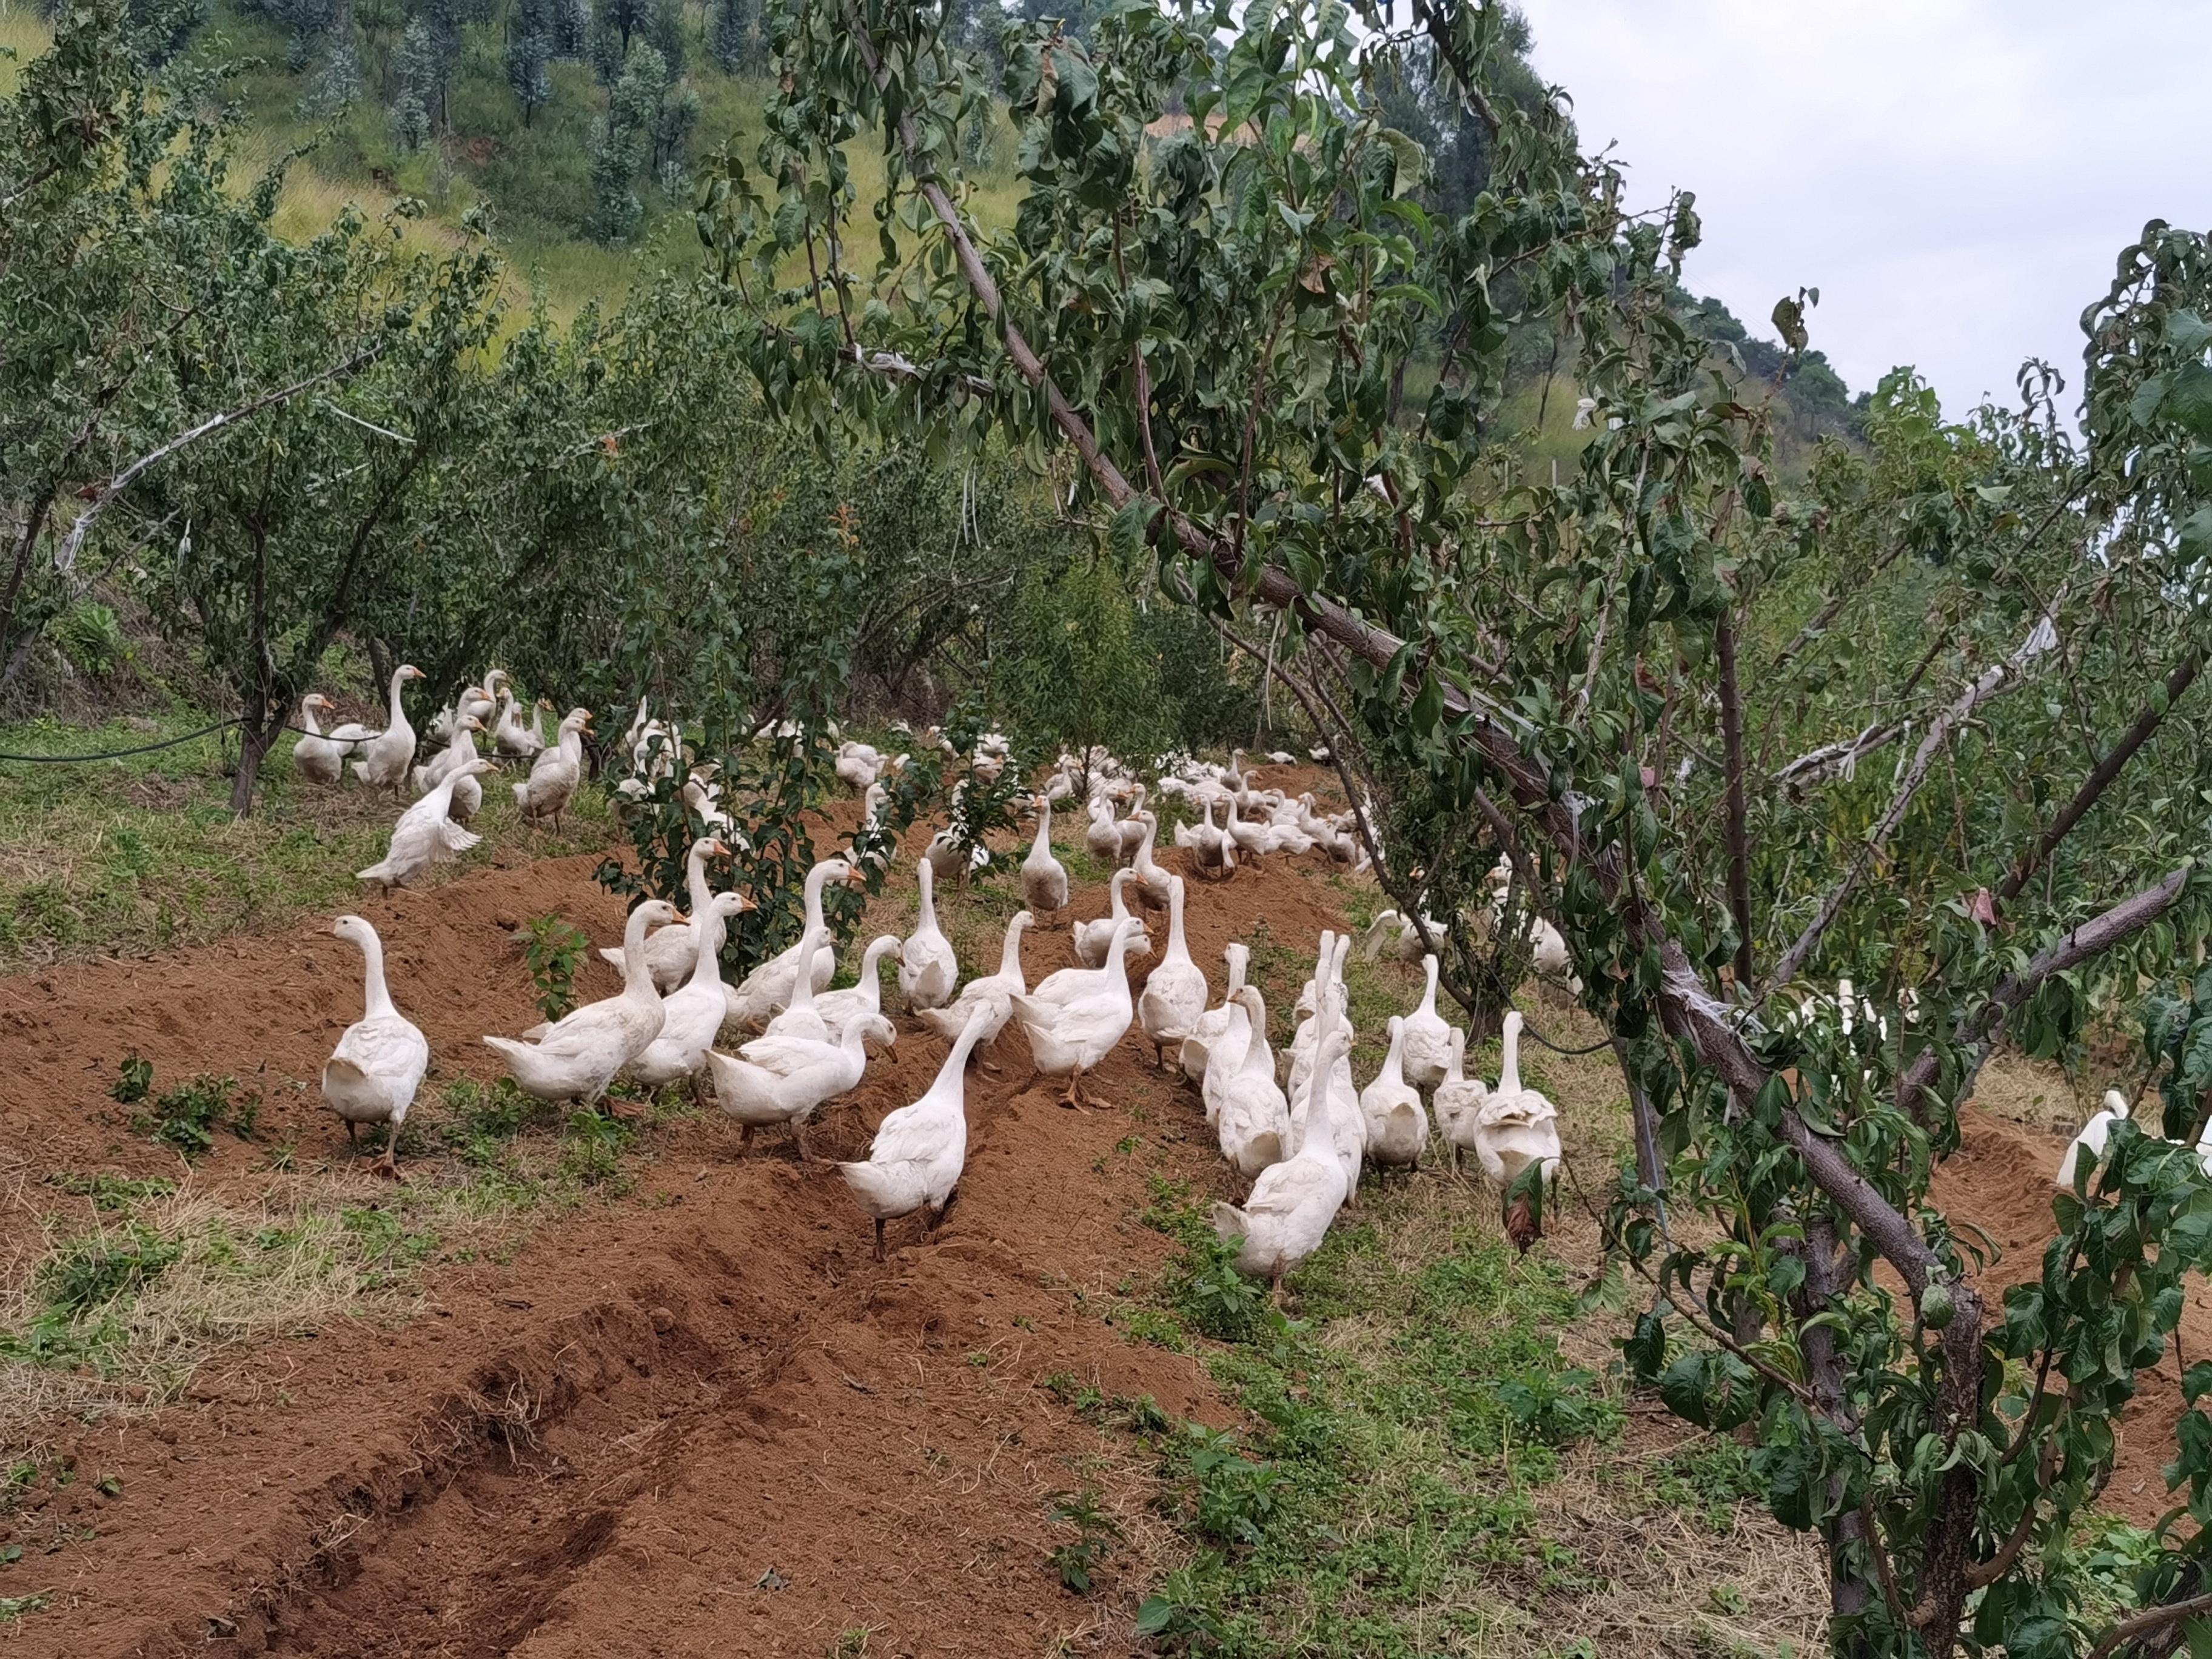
{"x":703,"y":1420}
{"x":2001,"y":1180}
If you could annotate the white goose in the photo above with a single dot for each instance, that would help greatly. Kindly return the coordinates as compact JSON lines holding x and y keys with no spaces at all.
{"x":928,"y":969}
{"x":692,"y":1013}
{"x":864,"y":999}
{"x":508,"y":734}
{"x":1197,"y":1047}
{"x":426,"y":834}
{"x":768,"y":987}
{"x":2096,"y":1135}
{"x":1292,"y":1203}
{"x":371,"y":1077}
{"x":1075,"y":1017}
{"x":1174,"y":996}
{"x":1428,"y":1036}
{"x":1044,"y":877}
{"x":1255,"y":1122}
{"x":382,"y":761}
{"x":1131,"y":830}
{"x":994,"y":993}
{"x":320,"y":759}
{"x":1516,"y":1127}
{"x":460,"y":749}
{"x":1152,"y":881}
{"x":671,"y":952}
{"x":1092,"y":939}
{"x":799,"y":1020}
{"x":1459,"y":1102}
{"x":916,"y":1160}
{"x":555,"y":775}
{"x":1397,"y":1127}
{"x":576,"y":1056}
{"x":1103,"y":838}
{"x":783,"y":1079}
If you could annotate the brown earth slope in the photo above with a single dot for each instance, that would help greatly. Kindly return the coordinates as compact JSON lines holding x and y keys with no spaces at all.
{"x":701,"y":1421}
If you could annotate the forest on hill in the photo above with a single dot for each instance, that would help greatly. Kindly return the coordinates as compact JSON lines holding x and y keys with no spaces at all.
{"x":1153,"y":378}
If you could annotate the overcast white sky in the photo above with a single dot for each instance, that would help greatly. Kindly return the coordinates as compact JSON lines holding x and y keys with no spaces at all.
{"x":1956,"y":176}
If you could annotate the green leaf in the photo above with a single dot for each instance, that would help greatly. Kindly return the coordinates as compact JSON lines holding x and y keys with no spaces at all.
{"x":1124,"y":537}
{"x":2189,"y":400}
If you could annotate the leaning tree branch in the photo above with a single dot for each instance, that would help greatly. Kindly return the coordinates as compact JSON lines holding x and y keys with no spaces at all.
{"x":65,"y":555}
{"x":2093,"y":786}
{"x":2042,"y":639}
{"x":2143,"y":1623}
{"x":1978,"y":1032}
{"x":1739,"y":845}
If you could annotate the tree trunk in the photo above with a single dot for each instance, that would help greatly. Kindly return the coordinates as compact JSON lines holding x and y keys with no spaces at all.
{"x":254,"y":738}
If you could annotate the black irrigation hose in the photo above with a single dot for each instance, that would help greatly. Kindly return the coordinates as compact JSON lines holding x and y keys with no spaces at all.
{"x":171,"y":743}
{"x":119,"y":754}
{"x":1555,"y":1048}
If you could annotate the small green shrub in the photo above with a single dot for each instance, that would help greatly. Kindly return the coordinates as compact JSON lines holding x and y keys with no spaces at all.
{"x":134,"y":1081}
{"x":96,"y":1270}
{"x":187,"y":1116}
{"x":554,"y":954}
{"x":1097,"y":1534}
{"x":591,"y":1149}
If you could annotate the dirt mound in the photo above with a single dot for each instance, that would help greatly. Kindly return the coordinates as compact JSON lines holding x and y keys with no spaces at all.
{"x":2000,"y":1179}
{"x":701,"y":1420}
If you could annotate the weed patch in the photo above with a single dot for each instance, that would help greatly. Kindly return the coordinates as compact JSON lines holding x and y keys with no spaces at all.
{"x":1393,"y":1493}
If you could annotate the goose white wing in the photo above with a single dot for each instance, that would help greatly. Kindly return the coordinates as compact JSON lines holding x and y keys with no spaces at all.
{"x":786,"y":1056}
{"x":912,"y":1134}
{"x":386,"y":1047}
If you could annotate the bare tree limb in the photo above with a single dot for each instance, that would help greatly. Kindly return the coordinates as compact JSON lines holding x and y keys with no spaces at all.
{"x":1739,"y":846}
{"x":2093,"y":786}
{"x":2041,"y":640}
{"x":65,"y":555}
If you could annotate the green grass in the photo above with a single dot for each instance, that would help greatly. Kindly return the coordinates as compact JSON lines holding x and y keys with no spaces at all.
{"x":125,"y":1304}
{"x":1421,"y":1436}
{"x":143,"y":853}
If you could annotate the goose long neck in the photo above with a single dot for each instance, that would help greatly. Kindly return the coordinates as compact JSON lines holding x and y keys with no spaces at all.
{"x":1394,"y":1063}
{"x":1509,"y":1074}
{"x":398,"y":683}
{"x":1177,"y":951}
{"x":1456,"y":1072}
{"x":1237,"y":959}
{"x":307,"y":715}
{"x":1258,"y":1057}
{"x":950,"y":1087}
{"x":872,"y":979}
{"x":376,"y":995}
{"x":802,"y":982}
{"x":1044,"y":827}
{"x":572,"y":745}
{"x":707,"y":926}
{"x":1117,"y":969}
{"x":1121,"y":908}
{"x":695,"y":883}
{"x":1429,"y":1000}
{"x":817,"y":878}
{"x":1009,"y":953}
{"x":928,"y":878}
{"x":637,"y":972}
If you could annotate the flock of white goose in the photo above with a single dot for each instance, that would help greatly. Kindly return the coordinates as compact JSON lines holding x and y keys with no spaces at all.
{"x":1299,"y":1129}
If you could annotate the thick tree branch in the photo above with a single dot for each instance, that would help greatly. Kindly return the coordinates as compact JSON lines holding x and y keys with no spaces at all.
{"x":1977,"y":1033}
{"x":2093,"y":786}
